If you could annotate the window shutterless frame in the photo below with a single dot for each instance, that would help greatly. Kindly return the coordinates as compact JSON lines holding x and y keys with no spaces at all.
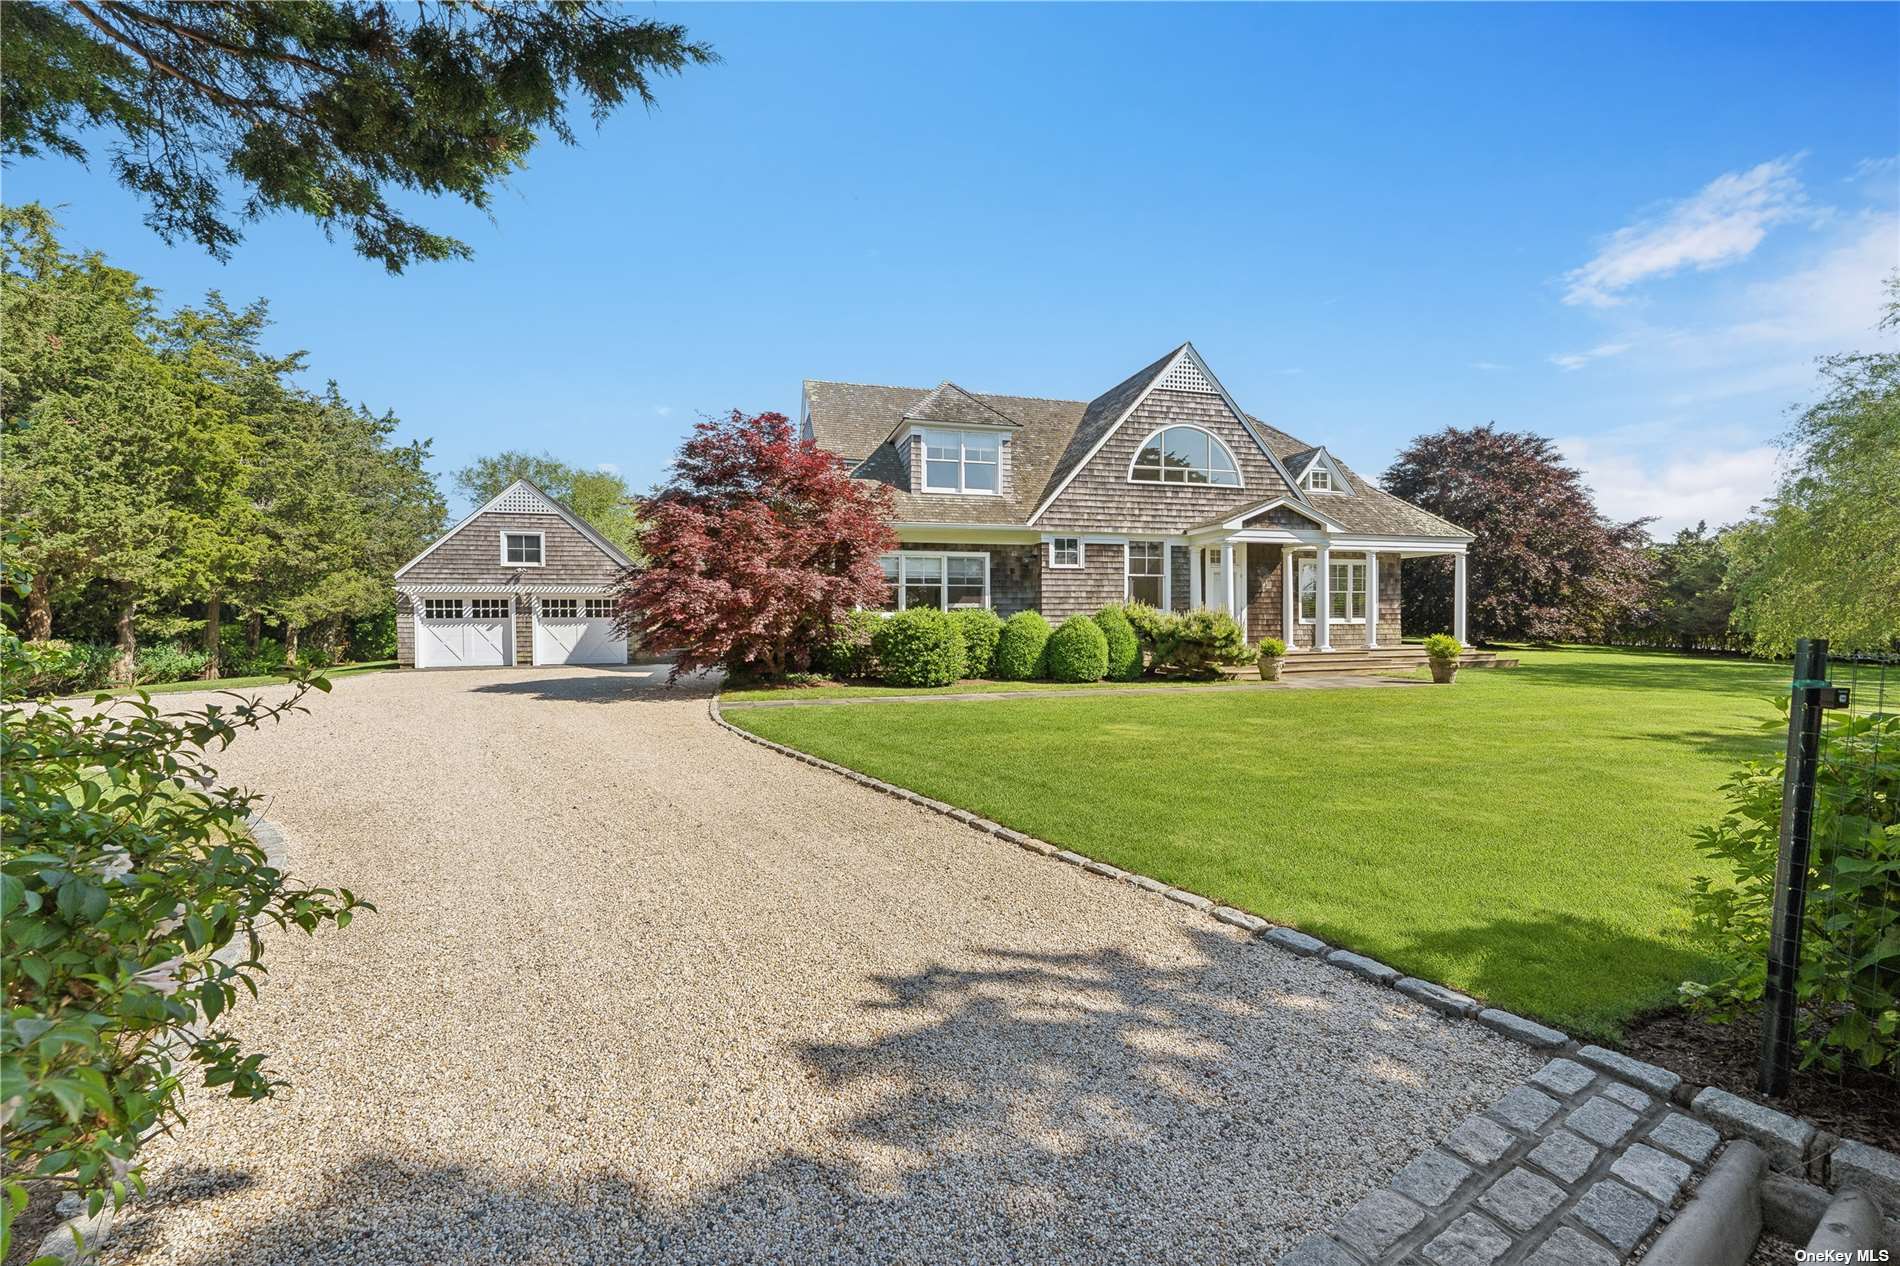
{"x":963,"y":462}
{"x":523,"y":549}
{"x":948,"y":582}
{"x":1184,"y":456}
{"x":1065,"y":551}
{"x":1146,"y":577}
{"x":1346,"y":592}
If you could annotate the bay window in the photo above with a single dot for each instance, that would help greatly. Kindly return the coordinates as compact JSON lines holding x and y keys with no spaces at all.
{"x":962,"y":461}
{"x":946,"y":582}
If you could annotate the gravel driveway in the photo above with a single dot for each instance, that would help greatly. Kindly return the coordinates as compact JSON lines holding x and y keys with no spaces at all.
{"x":642,"y":991}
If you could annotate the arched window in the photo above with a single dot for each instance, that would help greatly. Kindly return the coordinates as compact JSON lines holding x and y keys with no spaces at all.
{"x":1184,"y":455}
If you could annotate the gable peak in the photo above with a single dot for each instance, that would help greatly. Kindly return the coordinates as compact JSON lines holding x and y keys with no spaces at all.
{"x":951,"y":404}
{"x":522,"y":497}
{"x":1186,"y":374}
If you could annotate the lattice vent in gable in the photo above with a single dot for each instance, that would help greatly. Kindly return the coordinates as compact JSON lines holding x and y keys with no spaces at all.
{"x":1185,"y":375}
{"x":523,"y":500}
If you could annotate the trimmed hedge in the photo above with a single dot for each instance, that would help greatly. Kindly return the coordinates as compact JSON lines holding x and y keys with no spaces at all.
{"x":1124,"y":648}
{"x":1197,"y":642}
{"x":1078,"y":651}
{"x":919,"y":647}
{"x":981,"y":629}
{"x":848,"y":653}
{"x":1019,"y":650}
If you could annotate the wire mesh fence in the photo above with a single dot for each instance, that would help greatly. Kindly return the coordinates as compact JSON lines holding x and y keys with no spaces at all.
{"x":1832,"y":995}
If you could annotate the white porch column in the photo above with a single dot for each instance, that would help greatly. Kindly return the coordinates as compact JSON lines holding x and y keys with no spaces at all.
{"x":1289,"y":581}
{"x":1458,"y":596}
{"x":1240,"y":588}
{"x":1194,"y":578}
{"x":1323,"y":601}
{"x":1227,"y":576}
{"x":1372,"y":599}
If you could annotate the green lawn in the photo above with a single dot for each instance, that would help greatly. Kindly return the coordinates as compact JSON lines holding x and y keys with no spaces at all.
{"x":970,"y":686}
{"x":1525,"y":834}
{"x":239,"y":683}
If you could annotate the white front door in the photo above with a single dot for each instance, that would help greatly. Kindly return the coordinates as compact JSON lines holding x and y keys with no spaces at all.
{"x":577,"y":631}
{"x":464,"y":633}
{"x":1214,"y":593}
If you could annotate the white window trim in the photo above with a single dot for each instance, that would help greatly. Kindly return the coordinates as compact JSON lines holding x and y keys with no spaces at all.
{"x":1081,"y":553}
{"x":1318,"y":472}
{"x":944,"y":584}
{"x":962,"y":461}
{"x":1169,"y":483}
{"x":1299,"y":584}
{"x":542,"y":550}
{"x":507,"y":608}
{"x":1128,"y":574}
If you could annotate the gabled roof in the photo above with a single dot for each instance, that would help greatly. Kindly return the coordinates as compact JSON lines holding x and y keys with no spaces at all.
{"x":1240,"y":514}
{"x":523,"y":496}
{"x":1368,"y":509}
{"x":952,"y":405}
{"x":1302,"y":462}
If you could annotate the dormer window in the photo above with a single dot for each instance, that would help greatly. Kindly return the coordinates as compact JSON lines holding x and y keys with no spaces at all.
{"x":1319,"y":479}
{"x":962,"y":461}
{"x":1184,"y":455}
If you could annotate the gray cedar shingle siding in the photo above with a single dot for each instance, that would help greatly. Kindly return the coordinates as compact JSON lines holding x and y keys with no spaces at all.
{"x":1084,"y":590}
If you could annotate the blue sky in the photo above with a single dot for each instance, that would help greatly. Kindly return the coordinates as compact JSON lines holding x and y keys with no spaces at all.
{"x":1631,"y":228}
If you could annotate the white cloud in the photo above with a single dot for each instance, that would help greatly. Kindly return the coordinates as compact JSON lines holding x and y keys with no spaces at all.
{"x":1886,"y":168}
{"x":664,"y":410}
{"x":608,"y":468}
{"x":1722,"y":223}
{"x":1488,"y":366}
{"x":1678,"y":489}
{"x":1577,"y":360}
{"x":1835,"y":301}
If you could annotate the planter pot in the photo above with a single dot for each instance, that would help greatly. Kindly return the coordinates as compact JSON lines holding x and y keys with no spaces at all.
{"x":1443,"y":670}
{"x":1269,"y":669}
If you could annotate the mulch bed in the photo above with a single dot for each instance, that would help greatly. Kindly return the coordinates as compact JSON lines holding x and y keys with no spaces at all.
{"x":1858,"y":1105}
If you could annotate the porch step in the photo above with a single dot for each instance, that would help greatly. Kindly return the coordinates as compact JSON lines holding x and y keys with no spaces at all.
{"x":1384,"y":659}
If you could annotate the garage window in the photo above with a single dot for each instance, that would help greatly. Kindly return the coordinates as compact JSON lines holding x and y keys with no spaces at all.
{"x":600,"y":608}
{"x":441,"y":608}
{"x":488,"y":608}
{"x":560,"y":608}
{"x":521,"y":549}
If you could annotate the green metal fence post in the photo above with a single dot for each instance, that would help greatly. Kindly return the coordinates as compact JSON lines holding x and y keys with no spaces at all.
{"x":1791,"y":866}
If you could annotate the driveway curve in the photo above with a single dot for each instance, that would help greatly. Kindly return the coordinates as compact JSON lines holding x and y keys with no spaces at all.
{"x":641,"y":991}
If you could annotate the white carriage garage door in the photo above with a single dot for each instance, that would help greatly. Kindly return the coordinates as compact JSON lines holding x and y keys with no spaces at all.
{"x":465,"y":633}
{"x":577,"y":631}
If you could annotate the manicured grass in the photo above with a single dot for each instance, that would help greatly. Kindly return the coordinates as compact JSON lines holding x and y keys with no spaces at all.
{"x":239,"y":683}
{"x":1525,"y":834}
{"x":971,"y":686}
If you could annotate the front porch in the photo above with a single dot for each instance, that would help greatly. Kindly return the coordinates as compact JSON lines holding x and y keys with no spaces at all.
{"x":1266,"y":571}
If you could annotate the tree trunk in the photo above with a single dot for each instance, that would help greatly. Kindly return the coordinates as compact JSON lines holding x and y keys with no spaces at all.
{"x":39,"y":609}
{"x":290,"y":642}
{"x":125,"y":663}
{"x":214,"y":619}
{"x":253,"y":631}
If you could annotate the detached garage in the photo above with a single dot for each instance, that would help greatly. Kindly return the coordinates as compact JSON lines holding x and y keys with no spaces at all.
{"x":520,"y":581}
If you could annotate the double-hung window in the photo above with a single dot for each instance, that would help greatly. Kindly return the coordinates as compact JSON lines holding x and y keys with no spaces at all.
{"x":946,"y":582}
{"x":1147,"y":572}
{"x":1345,"y":591}
{"x":962,"y":461}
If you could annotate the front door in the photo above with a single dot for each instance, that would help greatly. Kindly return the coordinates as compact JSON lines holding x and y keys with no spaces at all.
{"x":1213,"y":581}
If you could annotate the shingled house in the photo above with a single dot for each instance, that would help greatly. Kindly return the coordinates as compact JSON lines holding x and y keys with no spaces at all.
{"x":1160,"y":489}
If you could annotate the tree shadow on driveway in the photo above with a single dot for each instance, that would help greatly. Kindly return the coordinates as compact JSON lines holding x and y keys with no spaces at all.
{"x":632,"y":683}
{"x":1214,"y":1104}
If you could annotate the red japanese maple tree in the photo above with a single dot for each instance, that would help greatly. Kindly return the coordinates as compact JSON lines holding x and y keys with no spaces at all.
{"x":755,"y":547}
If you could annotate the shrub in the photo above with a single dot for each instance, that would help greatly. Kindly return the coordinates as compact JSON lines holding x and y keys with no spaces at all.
{"x":372,"y":637}
{"x":919,"y":647}
{"x":1846,"y":988}
{"x":236,"y":659}
{"x":1124,"y":648}
{"x":1149,"y":623}
{"x":124,"y":866}
{"x":847,"y":653}
{"x":65,"y":668}
{"x":1078,"y":651}
{"x":1271,"y":648}
{"x":981,"y":630}
{"x":156,"y":665}
{"x":1019,"y":650}
{"x":1443,"y":646}
{"x":1199,"y":641}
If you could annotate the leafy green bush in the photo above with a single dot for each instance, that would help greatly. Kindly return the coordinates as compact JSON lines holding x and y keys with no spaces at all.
{"x":1077,"y":651}
{"x":1199,"y":641}
{"x":847,"y":655}
{"x":1149,"y":623}
{"x":372,"y":637}
{"x":1124,"y":648}
{"x":981,"y":629}
{"x":1019,"y":650}
{"x":156,"y":665}
{"x":1270,"y":648}
{"x":236,"y":659}
{"x":65,"y":668}
{"x":1443,"y":646}
{"x":124,"y":868}
{"x":1847,"y":986}
{"x":919,"y":647}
